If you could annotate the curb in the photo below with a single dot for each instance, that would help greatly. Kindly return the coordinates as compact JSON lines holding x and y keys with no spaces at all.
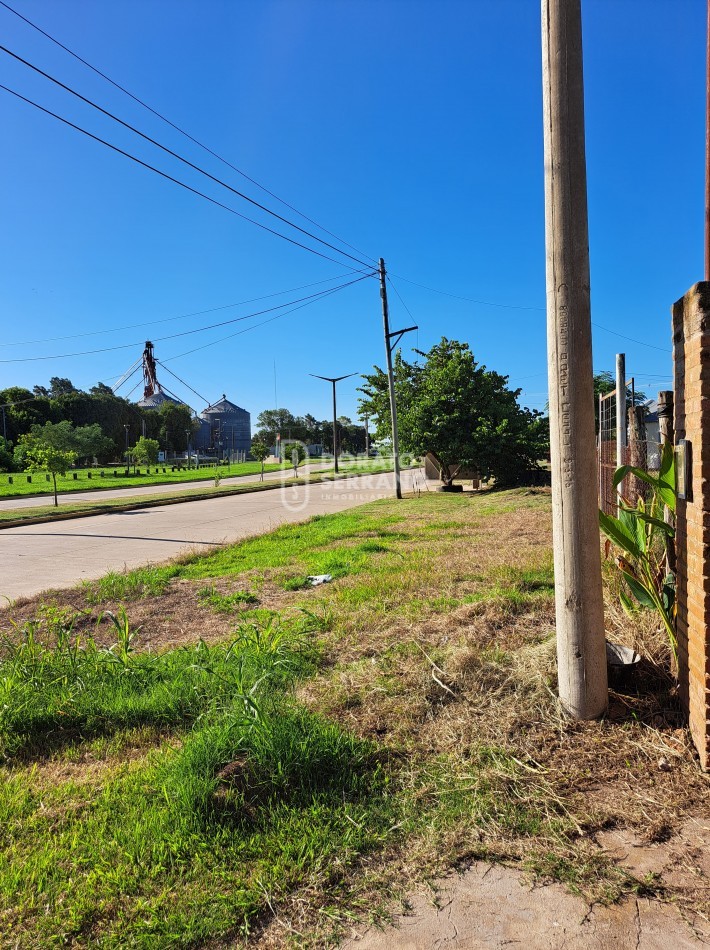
{"x":162,"y":502}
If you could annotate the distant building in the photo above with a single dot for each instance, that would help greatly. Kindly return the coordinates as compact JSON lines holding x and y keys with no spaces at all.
{"x":225,"y":428}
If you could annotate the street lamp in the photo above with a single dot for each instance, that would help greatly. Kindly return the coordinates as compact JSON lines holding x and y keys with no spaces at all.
{"x":187,"y":437}
{"x":127,"y":427}
{"x":334,"y":380}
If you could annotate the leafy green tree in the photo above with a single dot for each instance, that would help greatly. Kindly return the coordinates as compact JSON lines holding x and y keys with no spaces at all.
{"x":22,"y":410}
{"x":604,"y":383}
{"x":460,"y":412}
{"x":293,"y":452}
{"x":59,"y":386}
{"x":175,"y":421}
{"x":270,"y":422}
{"x":85,"y":442}
{"x":7,"y":462}
{"x":145,"y":451}
{"x":260,"y":452}
{"x":41,"y":456}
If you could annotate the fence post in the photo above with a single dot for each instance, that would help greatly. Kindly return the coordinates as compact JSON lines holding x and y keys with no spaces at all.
{"x":691,"y":375}
{"x":665,"y":416}
{"x":620,"y":417}
{"x":637,"y":453}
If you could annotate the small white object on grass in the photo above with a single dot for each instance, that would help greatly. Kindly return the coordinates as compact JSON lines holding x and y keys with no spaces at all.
{"x":315,"y":579}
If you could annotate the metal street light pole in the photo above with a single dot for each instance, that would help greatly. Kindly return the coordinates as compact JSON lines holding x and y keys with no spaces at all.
{"x":187,"y":436}
{"x":334,"y":380}
{"x":127,"y":427}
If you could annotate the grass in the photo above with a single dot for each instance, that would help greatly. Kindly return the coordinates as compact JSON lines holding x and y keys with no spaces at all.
{"x":20,"y":516}
{"x":322,"y":749}
{"x":96,"y":479}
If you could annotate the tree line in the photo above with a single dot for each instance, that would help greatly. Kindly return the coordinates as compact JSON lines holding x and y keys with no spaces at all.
{"x":97,"y":420}
{"x":308,"y":429}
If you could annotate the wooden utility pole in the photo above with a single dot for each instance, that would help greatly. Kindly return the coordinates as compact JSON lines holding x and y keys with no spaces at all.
{"x":389,"y":347}
{"x":621,"y":440}
{"x":581,"y":649}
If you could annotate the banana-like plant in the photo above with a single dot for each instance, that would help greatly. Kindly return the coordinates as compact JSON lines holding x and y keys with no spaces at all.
{"x":643,"y":540}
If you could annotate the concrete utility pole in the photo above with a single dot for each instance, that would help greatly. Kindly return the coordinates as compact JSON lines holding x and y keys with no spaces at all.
{"x":334,"y":380}
{"x":367,"y":438}
{"x":621,"y":440}
{"x":581,"y":649}
{"x":389,"y":347}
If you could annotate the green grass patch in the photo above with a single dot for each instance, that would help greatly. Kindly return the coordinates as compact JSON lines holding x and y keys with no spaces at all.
{"x":365,"y":727}
{"x":225,"y":603}
{"x":101,"y":478}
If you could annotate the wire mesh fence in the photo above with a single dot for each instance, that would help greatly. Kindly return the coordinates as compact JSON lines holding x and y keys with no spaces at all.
{"x":642,"y":451}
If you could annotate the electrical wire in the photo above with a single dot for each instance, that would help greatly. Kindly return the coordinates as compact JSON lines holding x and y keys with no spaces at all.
{"x":445,"y":293}
{"x":247,"y":329}
{"x":173,"y":336}
{"x":506,"y":306}
{"x":651,"y":346}
{"x":182,"y":131}
{"x":175,"y":181}
{"x":187,"y":385}
{"x":400,"y":297}
{"x":180,"y":158}
{"x":184,"y":316}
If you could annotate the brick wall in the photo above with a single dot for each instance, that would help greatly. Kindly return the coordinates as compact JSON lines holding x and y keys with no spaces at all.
{"x":691,"y":362}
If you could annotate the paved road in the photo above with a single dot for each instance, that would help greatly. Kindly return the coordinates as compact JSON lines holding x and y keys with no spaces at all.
{"x":99,"y":494}
{"x":60,"y":554}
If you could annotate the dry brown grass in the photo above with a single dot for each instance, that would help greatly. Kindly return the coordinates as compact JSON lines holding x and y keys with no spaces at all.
{"x":441,"y":652}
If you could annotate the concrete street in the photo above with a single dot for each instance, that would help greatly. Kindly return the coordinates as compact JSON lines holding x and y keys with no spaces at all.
{"x":61,"y":554}
{"x":99,"y":494}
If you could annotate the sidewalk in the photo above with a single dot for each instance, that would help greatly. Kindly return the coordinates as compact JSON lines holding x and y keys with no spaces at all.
{"x":490,"y":906}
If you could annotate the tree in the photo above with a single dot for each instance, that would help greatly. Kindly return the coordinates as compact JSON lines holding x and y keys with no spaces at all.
{"x":175,"y":421}
{"x":460,"y":412}
{"x":41,"y":456}
{"x":293,"y":452}
{"x":145,"y":451}
{"x":270,"y":422}
{"x":84,"y":442}
{"x":7,"y":463}
{"x":260,"y":452}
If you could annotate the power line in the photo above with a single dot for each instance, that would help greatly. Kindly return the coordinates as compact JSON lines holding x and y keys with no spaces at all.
{"x":180,"y":158}
{"x":182,"y":131}
{"x":507,"y":306}
{"x":445,"y":293}
{"x":246,"y":330}
{"x":175,"y":181}
{"x":173,"y":336}
{"x":187,"y":385}
{"x":400,"y":297}
{"x":184,"y":316}
{"x":651,"y":346}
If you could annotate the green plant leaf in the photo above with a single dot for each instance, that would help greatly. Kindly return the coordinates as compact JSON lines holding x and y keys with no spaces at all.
{"x":657,"y":523}
{"x":626,"y":603}
{"x":621,"y":473}
{"x":666,"y":477}
{"x":620,"y":534}
{"x":639,"y":591}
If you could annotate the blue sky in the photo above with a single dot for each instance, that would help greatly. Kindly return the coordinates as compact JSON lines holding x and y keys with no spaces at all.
{"x":412,"y":130}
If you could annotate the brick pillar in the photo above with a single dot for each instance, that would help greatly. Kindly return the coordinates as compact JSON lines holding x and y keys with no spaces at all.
{"x":691,"y":367}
